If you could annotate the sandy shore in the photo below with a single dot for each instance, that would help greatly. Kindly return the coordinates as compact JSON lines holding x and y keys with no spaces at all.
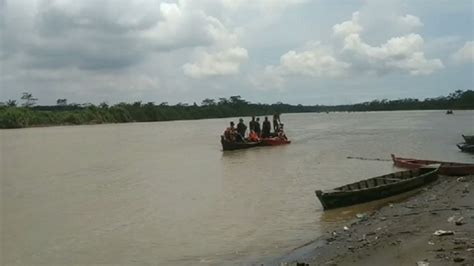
{"x":402,"y":233}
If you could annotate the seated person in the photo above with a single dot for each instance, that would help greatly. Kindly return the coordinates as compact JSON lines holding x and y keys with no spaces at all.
{"x":253,"y":137}
{"x":229,"y":133}
{"x":281,"y":133}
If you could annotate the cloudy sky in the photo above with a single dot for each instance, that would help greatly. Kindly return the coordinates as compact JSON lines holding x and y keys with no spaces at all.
{"x":295,"y":51}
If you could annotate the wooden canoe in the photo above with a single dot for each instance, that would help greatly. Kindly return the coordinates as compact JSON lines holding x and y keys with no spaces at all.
{"x":468,"y":139}
{"x":234,"y":145}
{"x":466,"y":147}
{"x":377,"y":187}
{"x":446,"y":168}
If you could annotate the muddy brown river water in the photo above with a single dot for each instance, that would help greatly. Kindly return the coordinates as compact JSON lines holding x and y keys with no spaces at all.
{"x":164,"y":193}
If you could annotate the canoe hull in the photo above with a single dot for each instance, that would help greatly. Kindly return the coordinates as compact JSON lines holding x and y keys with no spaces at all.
{"x":274,"y":141}
{"x":231,"y":146}
{"x":446,"y":168}
{"x":465,"y":147}
{"x":339,"y":198}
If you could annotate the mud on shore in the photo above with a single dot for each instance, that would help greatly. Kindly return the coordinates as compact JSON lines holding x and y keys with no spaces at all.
{"x":404,"y":233}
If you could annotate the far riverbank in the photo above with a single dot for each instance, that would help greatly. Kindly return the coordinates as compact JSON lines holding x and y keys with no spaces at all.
{"x":30,"y":115}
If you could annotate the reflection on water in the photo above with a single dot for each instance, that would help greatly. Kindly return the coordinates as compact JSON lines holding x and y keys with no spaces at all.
{"x":165,"y":193}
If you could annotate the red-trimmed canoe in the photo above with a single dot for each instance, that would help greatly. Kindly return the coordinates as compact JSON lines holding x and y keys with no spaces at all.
{"x":275,"y":141}
{"x":377,"y":187}
{"x":447,"y":168}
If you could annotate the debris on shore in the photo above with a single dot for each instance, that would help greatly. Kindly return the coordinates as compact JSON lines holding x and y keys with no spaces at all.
{"x":435,"y":227}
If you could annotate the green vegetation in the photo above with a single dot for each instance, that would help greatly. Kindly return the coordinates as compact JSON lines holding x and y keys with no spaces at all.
{"x":29,"y":115}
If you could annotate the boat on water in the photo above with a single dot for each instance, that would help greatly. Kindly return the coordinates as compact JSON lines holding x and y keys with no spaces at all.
{"x":235,"y":145}
{"x":466,"y":147}
{"x":446,"y":168}
{"x":377,"y":187}
{"x":468,"y":139}
{"x":449,"y":112}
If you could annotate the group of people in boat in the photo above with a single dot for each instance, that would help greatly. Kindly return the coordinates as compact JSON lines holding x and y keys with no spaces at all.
{"x":256,"y":132}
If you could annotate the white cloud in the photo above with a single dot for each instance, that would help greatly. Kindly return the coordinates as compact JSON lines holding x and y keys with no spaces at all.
{"x":398,"y":54}
{"x":404,"y":53}
{"x":222,"y":63}
{"x":348,"y":27}
{"x":464,"y":54}
{"x":315,"y":61}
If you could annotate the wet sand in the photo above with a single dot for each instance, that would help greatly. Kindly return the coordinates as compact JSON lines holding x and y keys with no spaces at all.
{"x":402,"y":233}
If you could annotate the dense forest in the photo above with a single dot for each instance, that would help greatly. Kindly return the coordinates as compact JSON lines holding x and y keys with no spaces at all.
{"x":28,"y":114}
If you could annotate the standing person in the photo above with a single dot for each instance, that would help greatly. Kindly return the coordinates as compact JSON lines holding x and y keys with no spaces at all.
{"x":276,"y":123}
{"x":252,"y":124}
{"x":257,"y":127}
{"x":266,"y":128}
{"x":241,"y":128}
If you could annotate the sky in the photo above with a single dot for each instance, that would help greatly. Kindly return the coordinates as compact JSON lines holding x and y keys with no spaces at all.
{"x":293,"y":51}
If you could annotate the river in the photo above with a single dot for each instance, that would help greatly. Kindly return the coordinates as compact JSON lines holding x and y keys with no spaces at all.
{"x":164,"y":193}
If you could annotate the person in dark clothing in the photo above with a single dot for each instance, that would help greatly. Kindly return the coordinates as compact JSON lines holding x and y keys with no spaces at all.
{"x":241,"y":128}
{"x":252,"y":124}
{"x":276,"y":123}
{"x":257,"y":127}
{"x":266,"y":128}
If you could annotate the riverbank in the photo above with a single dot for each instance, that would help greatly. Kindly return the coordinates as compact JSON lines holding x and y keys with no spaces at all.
{"x":435,"y":227}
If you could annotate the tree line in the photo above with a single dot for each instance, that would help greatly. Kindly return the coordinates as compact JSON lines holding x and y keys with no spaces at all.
{"x":28,"y":114}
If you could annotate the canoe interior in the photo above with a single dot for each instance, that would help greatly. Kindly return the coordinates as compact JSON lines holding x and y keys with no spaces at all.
{"x":382,"y":180}
{"x":427,"y":162}
{"x":377,"y":187}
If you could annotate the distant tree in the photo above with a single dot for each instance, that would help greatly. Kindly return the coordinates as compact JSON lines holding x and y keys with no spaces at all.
{"x":61,"y":102}
{"x":75,"y":105}
{"x":208,"y":102}
{"x":11,"y":103}
{"x":164,"y":104}
{"x":237,"y":100}
{"x":223,"y":101}
{"x":103,"y":105}
{"x":29,"y":100}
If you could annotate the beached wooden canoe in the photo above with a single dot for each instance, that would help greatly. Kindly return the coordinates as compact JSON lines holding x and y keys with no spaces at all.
{"x":230,"y":146}
{"x":446,"y":168}
{"x":274,"y":141}
{"x":468,"y":139}
{"x":377,"y":187}
{"x":466,"y":147}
